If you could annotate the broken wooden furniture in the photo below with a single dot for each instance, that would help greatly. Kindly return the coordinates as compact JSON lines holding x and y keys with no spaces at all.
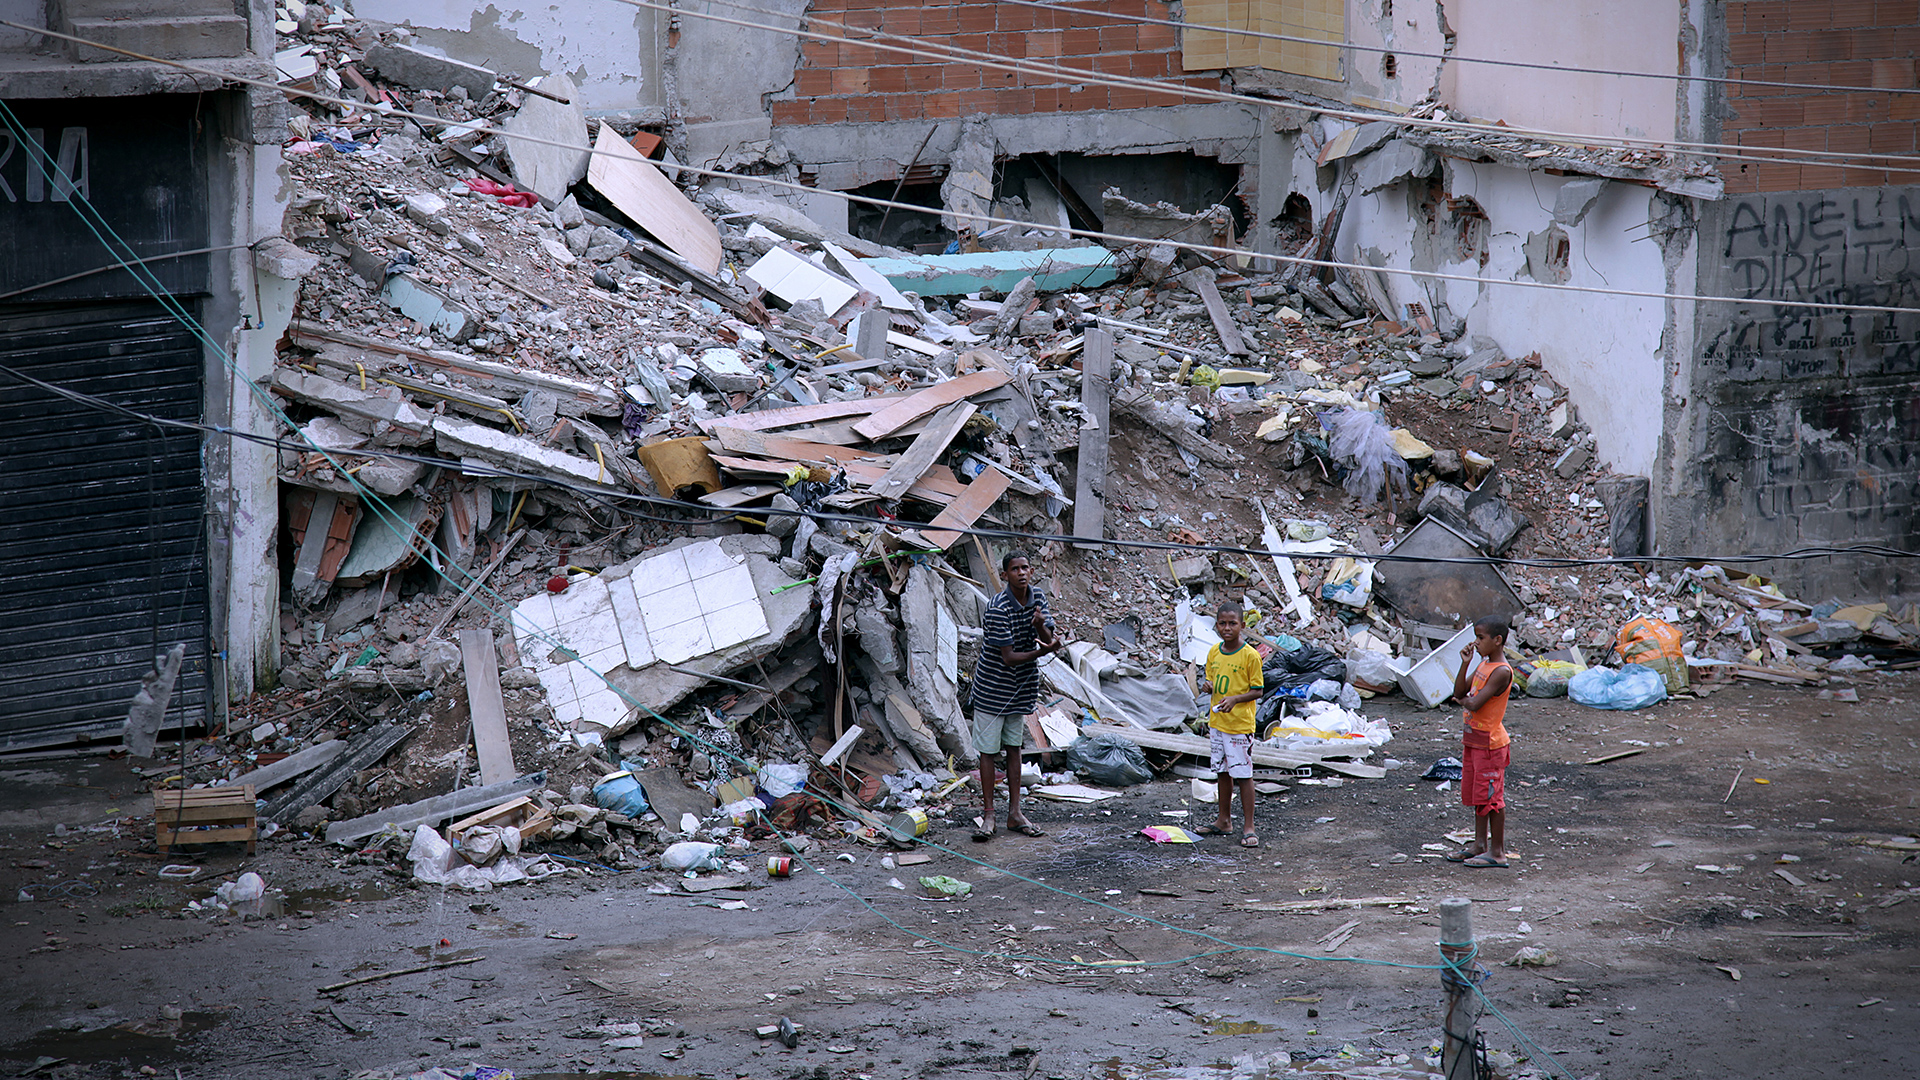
{"x":205,"y":816}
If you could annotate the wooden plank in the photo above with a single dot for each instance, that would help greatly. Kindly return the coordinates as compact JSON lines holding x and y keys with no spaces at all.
{"x":795,"y":415}
{"x":485,"y":707}
{"x":927,"y":447}
{"x":1223,"y":324}
{"x":1196,"y":746}
{"x":1090,"y":471}
{"x":939,"y":485}
{"x":962,"y":512}
{"x":743,"y":441}
{"x":901,"y":413}
{"x":631,"y":183}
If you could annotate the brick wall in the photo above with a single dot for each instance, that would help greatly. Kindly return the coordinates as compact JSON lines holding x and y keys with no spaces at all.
{"x":839,"y":82}
{"x":1828,"y":42}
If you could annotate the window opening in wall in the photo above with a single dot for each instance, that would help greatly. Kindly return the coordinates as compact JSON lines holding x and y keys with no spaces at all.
{"x":1471,"y":229}
{"x":908,"y":229}
{"x":1389,"y":66}
{"x":1294,"y":226}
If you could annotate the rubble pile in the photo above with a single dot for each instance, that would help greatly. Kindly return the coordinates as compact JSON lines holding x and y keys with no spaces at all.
{"x":678,"y":486}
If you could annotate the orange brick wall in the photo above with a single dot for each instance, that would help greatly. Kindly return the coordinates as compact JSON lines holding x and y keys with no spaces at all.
{"x":1828,"y":42}
{"x":839,"y":82}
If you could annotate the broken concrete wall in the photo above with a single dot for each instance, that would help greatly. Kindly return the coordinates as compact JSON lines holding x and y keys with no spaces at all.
{"x":724,"y":74}
{"x":1623,"y":35}
{"x":615,"y":54}
{"x":1803,"y":427}
{"x":1384,"y":79}
{"x":1606,"y":350}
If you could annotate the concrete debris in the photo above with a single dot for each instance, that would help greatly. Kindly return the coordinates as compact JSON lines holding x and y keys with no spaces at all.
{"x":722,"y":459}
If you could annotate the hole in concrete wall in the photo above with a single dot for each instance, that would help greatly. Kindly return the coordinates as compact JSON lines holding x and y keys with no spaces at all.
{"x":1471,"y":229}
{"x":899,"y":228}
{"x":1188,"y":181}
{"x":1389,"y":66}
{"x":1549,"y":255}
{"x":1386,"y":9}
{"x":1294,"y":226}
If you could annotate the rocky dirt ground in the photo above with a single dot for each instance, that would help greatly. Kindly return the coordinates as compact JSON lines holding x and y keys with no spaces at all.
{"x":1650,"y":879}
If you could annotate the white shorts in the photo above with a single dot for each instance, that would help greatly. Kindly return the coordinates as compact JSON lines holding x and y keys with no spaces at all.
{"x":1232,"y":754}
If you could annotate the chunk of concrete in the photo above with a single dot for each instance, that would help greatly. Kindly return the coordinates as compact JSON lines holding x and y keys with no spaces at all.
{"x":1573,"y":462}
{"x":469,"y":439}
{"x":409,"y":66}
{"x":1625,"y":498}
{"x":1394,"y":162}
{"x":1562,"y":420}
{"x":932,"y":639}
{"x":404,"y":420}
{"x":1157,"y":263}
{"x":1576,"y":198}
{"x":547,"y":170}
{"x":429,"y":210}
{"x":280,"y":257}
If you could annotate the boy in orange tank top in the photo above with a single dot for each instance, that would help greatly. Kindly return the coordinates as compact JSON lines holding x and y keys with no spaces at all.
{"x":1482,"y":686}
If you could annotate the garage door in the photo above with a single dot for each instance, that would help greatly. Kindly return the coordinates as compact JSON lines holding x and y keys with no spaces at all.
{"x":103,"y":560}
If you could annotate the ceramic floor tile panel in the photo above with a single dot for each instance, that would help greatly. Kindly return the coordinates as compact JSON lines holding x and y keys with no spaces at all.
{"x":659,"y":572}
{"x":706,"y":559}
{"x":603,"y":708}
{"x":733,"y":625}
{"x":682,"y":641}
{"x":582,"y":599}
{"x":728,"y":588}
{"x":633,"y":623}
{"x":677,"y":604}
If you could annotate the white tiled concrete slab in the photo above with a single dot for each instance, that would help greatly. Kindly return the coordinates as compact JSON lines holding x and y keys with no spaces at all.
{"x":633,"y":623}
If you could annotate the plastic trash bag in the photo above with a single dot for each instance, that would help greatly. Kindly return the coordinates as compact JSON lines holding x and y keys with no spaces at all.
{"x":1658,"y":645}
{"x":1446,"y":768}
{"x":779,"y":779}
{"x":1350,"y":582}
{"x":1372,"y":668}
{"x":249,"y":886}
{"x":1303,"y":666}
{"x":1363,"y":437}
{"x":621,"y":793}
{"x":1549,"y":678}
{"x":1634,"y":686}
{"x":691,"y":855}
{"x":1101,"y":757}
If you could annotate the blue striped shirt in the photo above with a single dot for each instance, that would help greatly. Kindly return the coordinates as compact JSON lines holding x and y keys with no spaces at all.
{"x":998,"y":687}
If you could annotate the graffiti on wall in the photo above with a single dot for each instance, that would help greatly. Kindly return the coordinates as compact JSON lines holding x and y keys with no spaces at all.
{"x":1812,"y":417}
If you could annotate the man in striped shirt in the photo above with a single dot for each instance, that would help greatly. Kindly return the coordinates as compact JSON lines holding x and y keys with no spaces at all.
{"x":1018,"y":631}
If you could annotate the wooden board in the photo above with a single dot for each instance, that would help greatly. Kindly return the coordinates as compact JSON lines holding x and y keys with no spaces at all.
{"x":205,"y":816}
{"x":927,"y":447}
{"x":743,"y":441}
{"x":1196,"y":746}
{"x":631,"y":183}
{"x":901,"y":413}
{"x":485,"y":707}
{"x":1223,"y":323}
{"x":939,"y":484}
{"x":962,"y":512}
{"x":1090,"y":470}
{"x":795,"y":415}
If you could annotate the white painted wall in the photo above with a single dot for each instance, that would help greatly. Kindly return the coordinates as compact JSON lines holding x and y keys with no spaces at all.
{"x":611,"y":51}
{"x":1618,"y":35}
{"x":1603,"y":349}
{"x":1411,"y":25}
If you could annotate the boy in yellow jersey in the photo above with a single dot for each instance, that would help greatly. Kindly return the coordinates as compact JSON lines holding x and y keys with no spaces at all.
{"x":1236,"y":682}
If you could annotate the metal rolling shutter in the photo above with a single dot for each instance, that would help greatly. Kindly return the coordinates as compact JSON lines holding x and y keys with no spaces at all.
{"x":103,"y":560}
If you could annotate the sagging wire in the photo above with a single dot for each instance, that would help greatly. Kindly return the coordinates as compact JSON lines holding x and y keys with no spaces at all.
{"x":610,"y":500}
{"x":988,"y":219}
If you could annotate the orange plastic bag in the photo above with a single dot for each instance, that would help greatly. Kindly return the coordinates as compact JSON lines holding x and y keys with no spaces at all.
{"x":1655,"y":644}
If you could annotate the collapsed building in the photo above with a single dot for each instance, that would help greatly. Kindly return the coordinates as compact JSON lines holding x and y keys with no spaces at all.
{"x":724,"y":443}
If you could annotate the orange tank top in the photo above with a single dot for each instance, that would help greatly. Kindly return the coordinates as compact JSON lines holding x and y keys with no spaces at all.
{"x":1486,"y":726}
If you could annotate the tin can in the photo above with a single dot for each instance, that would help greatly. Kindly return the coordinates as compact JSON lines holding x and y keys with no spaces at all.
{"x":779,"y":866}
{"x":907,"y":826}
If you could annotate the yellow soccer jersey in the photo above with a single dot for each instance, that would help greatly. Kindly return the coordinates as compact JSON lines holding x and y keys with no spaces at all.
{"x":1234,"y":673}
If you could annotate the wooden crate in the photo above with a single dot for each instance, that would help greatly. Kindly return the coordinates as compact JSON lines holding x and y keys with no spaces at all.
{"x":205,"y":816}
{"x":522,"y":813}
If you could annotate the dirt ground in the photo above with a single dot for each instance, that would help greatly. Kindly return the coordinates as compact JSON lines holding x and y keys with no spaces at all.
{"x":1650,"y":878}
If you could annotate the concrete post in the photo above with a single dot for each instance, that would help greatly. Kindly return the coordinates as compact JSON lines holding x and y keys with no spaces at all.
{"x":1463,"y":1005}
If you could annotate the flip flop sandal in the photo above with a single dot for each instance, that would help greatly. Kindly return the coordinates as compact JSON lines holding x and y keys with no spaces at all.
{"x":981,"y":836}
{"x":1209,"y":830}
{"x":1483,"y":861}
{"x":1461,"y":855}
{"x":1027,"y":829}
{"x":1249,"y":840}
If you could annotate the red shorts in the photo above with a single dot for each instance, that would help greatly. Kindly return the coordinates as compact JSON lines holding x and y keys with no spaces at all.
{"x":1483,"y":778}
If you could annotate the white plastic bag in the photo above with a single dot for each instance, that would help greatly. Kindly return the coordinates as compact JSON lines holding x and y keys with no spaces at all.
{"x":249,"y":886}
{"x":691,"y":855}
{"x":780,"y":779}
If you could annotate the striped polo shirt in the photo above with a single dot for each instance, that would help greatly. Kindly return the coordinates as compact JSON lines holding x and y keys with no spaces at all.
{"x":997,"y":687}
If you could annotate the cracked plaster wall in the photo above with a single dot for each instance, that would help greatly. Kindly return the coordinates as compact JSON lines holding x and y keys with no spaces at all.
{"x":614,"y":54}
{"x":1803,"y":427}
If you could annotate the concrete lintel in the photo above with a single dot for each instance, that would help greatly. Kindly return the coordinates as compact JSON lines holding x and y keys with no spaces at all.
{"x":56,"y":77}
{"x":1219,"y":130}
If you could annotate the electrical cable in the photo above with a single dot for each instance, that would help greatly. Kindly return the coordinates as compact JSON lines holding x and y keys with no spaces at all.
{"x":611,"y":499}
{"x":1789,"y":306}
{"x":115,"y":266}
{"x":878,"y":39}
{"x":1448,"y":57}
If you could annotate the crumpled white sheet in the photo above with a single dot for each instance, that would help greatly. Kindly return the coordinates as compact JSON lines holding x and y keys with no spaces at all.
{"x":1317,"y":720}
{"x":437,"y":863}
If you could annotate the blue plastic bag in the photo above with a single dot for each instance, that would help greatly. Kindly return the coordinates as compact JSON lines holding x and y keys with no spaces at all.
{"x":1633,"y":686}
{"x":622,"y":794}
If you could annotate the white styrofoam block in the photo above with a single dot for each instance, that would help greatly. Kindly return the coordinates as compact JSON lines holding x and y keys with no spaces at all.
{"x":633,"y":623}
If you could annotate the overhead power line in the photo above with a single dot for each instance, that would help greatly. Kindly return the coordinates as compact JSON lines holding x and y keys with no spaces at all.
{"x":1448,"y":57}
{"x":490,"y":130}
{"x":878,"y":39}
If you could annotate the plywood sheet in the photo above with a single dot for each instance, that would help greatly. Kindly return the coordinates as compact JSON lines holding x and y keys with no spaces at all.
{"x":640,"y":191}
